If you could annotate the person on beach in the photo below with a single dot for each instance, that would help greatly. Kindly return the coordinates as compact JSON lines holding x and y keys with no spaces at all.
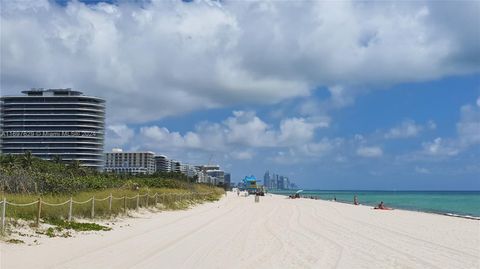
{"x":355,"y":201}
{"x":382,"y":206}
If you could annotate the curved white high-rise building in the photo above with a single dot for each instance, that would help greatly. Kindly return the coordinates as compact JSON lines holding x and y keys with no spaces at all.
{"x":54,"y":122}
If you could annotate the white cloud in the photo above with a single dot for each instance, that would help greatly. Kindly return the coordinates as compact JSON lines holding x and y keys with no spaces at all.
{"x":295,"y":130}
{"x":340,"y":97}
{"x":242,"y":155}
{"x":245,"y":128}
{"x":468,"y":127}
{"x":118,"y":135}
{"x":370,"y":152}
{"x":431,"y":125}
{"x":359,"y":138}
{"x":163,"y":137}
{"x":238,"y":135}
{"x":161,"y":58}
{"x":468,"y":135}
{"x":408,"y":128}
{"x":440,"y":147}
{"x":323,"y":147}
{"x":422,"y":170}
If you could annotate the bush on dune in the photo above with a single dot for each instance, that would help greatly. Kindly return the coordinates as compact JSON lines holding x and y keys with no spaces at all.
{"x":28,"y":174}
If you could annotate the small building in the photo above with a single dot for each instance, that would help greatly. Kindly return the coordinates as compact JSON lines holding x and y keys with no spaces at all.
{"x":130,"y":162}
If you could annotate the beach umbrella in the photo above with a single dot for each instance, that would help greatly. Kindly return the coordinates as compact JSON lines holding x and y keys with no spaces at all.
{"x":299,"y":191}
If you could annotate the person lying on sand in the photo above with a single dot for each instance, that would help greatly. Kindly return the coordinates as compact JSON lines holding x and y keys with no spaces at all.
{"x":382,"y":206}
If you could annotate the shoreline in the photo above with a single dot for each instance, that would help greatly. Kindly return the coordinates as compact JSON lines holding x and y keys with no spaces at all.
{"x":276,"y":232}
{"x":455,"y":215}
{"x":396,"y":207}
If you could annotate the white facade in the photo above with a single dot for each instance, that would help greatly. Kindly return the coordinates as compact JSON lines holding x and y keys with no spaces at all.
{"x":218,"y":176}
{"x":130,"y":162}
{"x":54,"y":123}
{"x":162,"y":164}
{"x":175,"y":166}
{"x":211,"y":174}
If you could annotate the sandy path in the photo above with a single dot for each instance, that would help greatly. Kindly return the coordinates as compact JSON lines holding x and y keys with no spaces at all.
{"x":275,"y":233}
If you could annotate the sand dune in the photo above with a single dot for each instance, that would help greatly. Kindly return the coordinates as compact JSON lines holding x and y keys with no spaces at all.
{"x":275,"y":233}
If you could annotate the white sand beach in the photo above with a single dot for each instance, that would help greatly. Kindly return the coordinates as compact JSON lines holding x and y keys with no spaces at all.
{"x":278,"y":232}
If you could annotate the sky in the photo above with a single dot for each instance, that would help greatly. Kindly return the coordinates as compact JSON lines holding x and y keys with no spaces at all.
{"x":334,"y":95}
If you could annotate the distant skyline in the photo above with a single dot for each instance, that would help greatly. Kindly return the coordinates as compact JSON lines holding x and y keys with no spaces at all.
{"x":334,"y":95}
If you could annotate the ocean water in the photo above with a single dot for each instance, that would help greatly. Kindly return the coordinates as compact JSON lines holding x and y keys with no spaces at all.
{"x":461,"y":203}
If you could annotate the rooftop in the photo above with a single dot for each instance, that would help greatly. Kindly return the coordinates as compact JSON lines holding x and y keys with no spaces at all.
{"x":120,"y":151}
{"x":52,"y":92}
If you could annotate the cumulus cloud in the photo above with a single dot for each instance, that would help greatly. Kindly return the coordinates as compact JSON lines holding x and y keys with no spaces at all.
{"x":370,"y":152}
{"x":242,"y":136}
{"x":242,"y":155}
{"x":118,"y":135}
{"x":244,"y":129}
{"x":468,"y":127}
{"x":468,"y":134}
{"x":158,"y":58}
{"x":422,"y":170}
{"x":408,"y":128}
{"x":322,"y":147}
{"x":164,"y":138}
{"x":295,"y":130}
{"x":440,"y":147}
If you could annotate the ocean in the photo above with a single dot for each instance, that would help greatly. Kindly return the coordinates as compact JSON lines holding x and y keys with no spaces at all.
{"x":455,"y":203}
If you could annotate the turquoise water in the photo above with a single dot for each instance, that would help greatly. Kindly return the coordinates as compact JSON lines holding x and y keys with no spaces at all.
{"x":464,"y":203}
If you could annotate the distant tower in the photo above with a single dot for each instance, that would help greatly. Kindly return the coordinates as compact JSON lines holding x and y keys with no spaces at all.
{"x":266,"y":179}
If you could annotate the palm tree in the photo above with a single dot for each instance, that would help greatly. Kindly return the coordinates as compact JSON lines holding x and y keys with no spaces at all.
{"x":77,"y":168}
{"x":27,"y":160}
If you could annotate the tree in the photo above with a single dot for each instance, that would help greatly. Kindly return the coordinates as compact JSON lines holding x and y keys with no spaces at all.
{"x":27,"y":160}
{"x":8,"y":160}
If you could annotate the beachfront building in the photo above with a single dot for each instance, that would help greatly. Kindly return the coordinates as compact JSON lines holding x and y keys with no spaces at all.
{"x":133,"y":163}
{"x":54,"y":123}
{"x":175,"y":166}
{"x":162,"y":164}
{"x":227,"y":180}
{"x":218,"y":176}
{"x":211,"y":174}
{"x":202,"y":177}
{"x":207,"y":167}
{"x":189,"y":170}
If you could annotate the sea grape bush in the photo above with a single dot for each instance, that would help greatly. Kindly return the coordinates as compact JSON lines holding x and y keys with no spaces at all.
{"x":28,"y":174}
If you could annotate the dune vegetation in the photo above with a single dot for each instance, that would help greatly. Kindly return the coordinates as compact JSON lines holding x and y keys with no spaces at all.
{"x":26,"y":179}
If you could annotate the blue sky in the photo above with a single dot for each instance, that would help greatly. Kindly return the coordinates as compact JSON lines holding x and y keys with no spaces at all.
{"x":335,"y":95}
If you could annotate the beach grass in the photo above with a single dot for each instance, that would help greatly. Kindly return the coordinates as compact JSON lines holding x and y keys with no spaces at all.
{"x":167,"y":199}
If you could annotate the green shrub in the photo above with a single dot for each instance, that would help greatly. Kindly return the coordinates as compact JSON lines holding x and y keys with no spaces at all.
{"x":28,"y":174}
{"x":77,"y":226}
